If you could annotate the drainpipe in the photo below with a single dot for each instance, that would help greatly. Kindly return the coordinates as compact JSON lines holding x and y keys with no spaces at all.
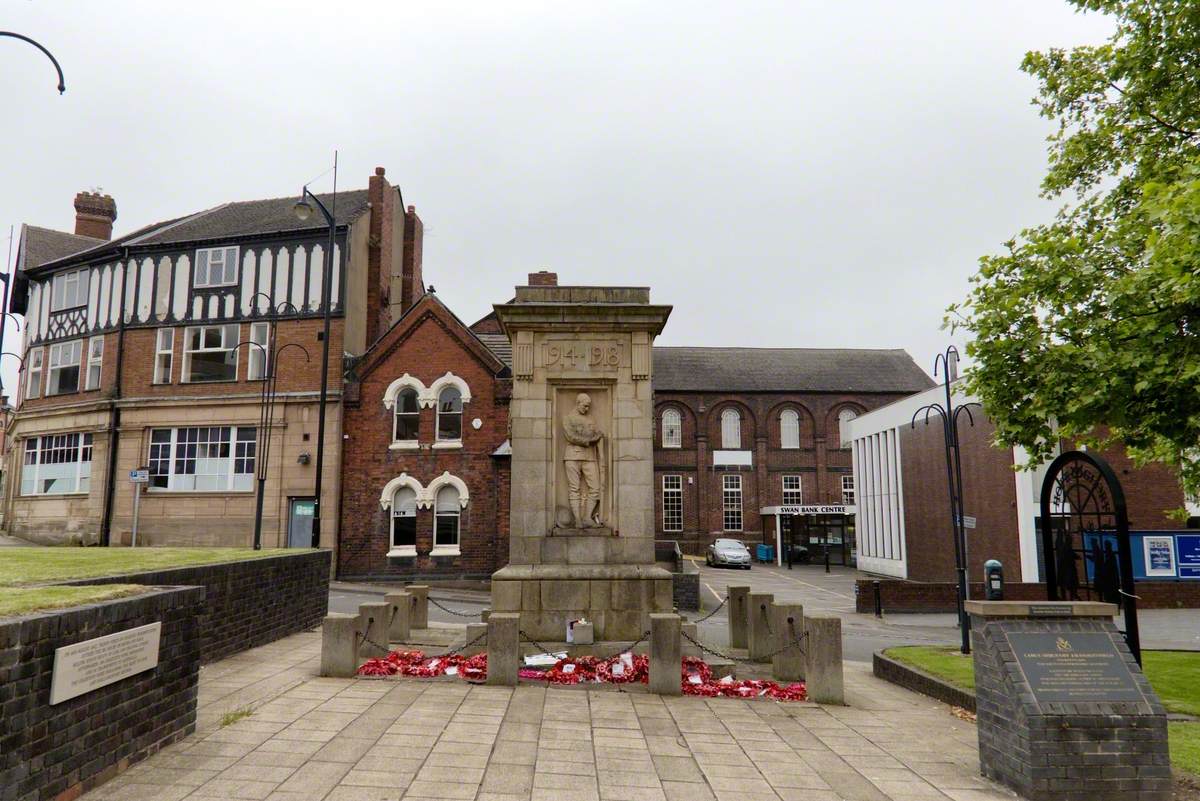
{"x":114,"y":417}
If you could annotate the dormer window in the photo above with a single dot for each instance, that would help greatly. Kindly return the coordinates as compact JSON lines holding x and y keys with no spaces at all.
{"x":69,"y":290}
{"x":215,"y":267}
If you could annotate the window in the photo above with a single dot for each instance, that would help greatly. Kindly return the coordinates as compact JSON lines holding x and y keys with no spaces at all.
{"x":848,"y":490}
{"x":215,"y":267}
{"x":69,"y":290}
{"x":845,"y":416}
{"x":449,"y":414}
{"x":210,"y":353}
{"x":672,"y":429}
{"x":63,"y":373}
{"x":206,"y":459}
{"x":408,"y":416}
{"x":56,"y":464}
{"x":731,"y":502}
{"x":404,"y":519}
{"x":164,"y":356}
{"x":95,"y":362}
{"x":445,"y":532}
{"x":33,"y":378}
{"x":259,"y":356}
{"x":672,"y":490}
{"x":731,"y":431}
{"x":789,"y":429}
{"x":792,"y":496}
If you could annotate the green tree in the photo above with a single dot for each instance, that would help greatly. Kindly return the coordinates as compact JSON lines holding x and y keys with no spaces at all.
{"x":1093,"y":320}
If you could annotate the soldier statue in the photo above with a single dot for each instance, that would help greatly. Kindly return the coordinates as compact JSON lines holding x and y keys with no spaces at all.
{"x":584,"y":462}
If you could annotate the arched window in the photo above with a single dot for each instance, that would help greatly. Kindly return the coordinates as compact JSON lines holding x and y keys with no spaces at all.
{"x":672,"y":429}
{"x":731,"y":430}
{"x":845,"y":416}
{"x":789,"y":429}
{"x":447,"y":510}
{"x":408,"y":416}
{"x":404,"y":519}
{"x":449,"y":414}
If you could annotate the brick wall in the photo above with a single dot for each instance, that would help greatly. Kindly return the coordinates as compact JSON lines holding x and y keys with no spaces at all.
{"x":914,"y":596}
{"x":248,"y":603}
{"x":57,"y":752}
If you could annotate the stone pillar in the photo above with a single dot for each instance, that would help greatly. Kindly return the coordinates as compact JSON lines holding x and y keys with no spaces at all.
{"x":686,"y":648}
{"x":759,"y":641}
{"x":823,"y":661}
{"x":665,"y":659}
{"x":420,"y":605}
{"x":504,"y":648}
{"x":735,"y":608}
{"x":375,"y":629}
{"x":483,"y":615}
{"x":476,"y":641}
{"x":787,"y":623}
{"x":339,"y":645}
{"x":400,"y":611}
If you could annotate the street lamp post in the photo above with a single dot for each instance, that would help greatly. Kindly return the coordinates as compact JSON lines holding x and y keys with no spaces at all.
{"x":303,"y":210}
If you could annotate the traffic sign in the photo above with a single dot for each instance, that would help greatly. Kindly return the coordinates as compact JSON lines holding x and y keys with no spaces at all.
{"x":140,"y":476}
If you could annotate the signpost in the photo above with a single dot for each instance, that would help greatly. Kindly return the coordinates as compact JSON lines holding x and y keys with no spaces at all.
{"x":139,"y":477}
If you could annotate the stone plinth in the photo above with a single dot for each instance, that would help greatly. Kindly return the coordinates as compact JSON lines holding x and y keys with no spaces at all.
{"x":581,"y":416}
{"x":1063,"y":708}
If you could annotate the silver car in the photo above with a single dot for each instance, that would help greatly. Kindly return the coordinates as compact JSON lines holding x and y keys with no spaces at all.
{"x":732,"y":553}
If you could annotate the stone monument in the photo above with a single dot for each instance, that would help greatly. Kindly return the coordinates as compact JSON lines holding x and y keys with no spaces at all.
{"x":581,"y":535}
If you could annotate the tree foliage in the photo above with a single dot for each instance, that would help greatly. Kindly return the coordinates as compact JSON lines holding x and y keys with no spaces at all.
{"x":1092,"y":321}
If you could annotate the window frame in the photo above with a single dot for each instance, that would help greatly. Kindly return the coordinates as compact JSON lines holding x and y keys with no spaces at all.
{"x":160,"y":351}
{"x":261,"y":356}
{"x":798,"y":497}
{"x":82,"y":286}
{"x":242,"y":442}
{"x":793,"y":418}
{"x":75,"y":344}
{"x":731,"y":486}
{"x":438,"y":438}
{"x":672,"y":490}
{"x":852,"y":415}
{"x":439,"y":514}
{"x":848,"y":495}
{"x":728,"y":434}
{"x":94,"y":361}
{"x":224,"y":250}
{"x":672,"y":430}
{"x":397,"y":514}
{"x":225,"y":348}
{"x":84,"y":442}
{"x":396,"y":414}
{"x":33,"y":376}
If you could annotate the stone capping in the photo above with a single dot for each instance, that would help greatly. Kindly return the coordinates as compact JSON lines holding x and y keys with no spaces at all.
{"x":911,"y":678}
{"x":1041,"y":609}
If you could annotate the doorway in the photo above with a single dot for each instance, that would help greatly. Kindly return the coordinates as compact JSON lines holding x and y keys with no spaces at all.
{"x":300,"y":522}
{"x":814,"y":538}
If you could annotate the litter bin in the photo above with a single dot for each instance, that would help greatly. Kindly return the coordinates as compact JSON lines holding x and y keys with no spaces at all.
{"x":765,"y":553}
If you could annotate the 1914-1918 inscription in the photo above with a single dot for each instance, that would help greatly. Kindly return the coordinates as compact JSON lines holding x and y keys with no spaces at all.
{"x":1080,"y":667}
{"x":88,"y":665}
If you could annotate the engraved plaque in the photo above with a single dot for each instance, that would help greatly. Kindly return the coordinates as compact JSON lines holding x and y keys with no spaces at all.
{"x":91,"y":664}
{"x":1079,"y":667}
{"x":587,"y":355}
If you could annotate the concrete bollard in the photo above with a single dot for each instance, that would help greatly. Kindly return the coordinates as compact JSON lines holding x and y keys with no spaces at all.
{"x":400,"y":614}
{"x":685,"y":647}
{"x":483,"y":615}
{"x":339,"y":645}
{"x":735,"y":607}
{"x":665,"y":659}
{"x":504,"y":648}
{"x":420,"y":605}
{"x":787,"y":624}
{"x":759,"y":641}
{"x":823,"y":662}
{"x":375,"y":627}
{"x":476,"y":639}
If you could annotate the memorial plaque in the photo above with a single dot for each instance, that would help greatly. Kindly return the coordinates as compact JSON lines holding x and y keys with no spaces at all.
{"x":1048,"y":610}
{"x":1074,"y":667}
{"x":91,"y":664}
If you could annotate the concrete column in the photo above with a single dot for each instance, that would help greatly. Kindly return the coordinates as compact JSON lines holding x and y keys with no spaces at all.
{"x":823,"y":662}
{"x":375,"y":627}
{"x":665,"y":659}
{"x":400,"y":612}
{"x":420,"y":605}
{"x":759,"y":641}
{"x":504,"y":648}
{"x":735,"y":607}
{"x":685,"y":647}
{"x":339,"y":645}
{"x":474,"y":631}
{"x":787,"y":624}
{"x":483,"y":615}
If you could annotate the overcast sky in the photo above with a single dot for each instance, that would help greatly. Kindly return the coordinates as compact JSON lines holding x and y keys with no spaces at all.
{"x":792,"y":174}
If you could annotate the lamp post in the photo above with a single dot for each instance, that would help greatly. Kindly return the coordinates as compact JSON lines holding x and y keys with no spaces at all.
{"x":62,"y":86}
{"x":303,"y":210}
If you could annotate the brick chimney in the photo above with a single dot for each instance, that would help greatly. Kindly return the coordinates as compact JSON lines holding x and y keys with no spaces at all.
{"x":412,"y":281}
{"x":379,"y":242}
{"x":543,"y":278}
{"x":94,"y":215}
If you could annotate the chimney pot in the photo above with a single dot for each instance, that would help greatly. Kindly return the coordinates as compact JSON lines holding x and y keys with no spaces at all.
{"x":380,"y":171}
{"x":94,"y":215}
{"x":543,"y":278}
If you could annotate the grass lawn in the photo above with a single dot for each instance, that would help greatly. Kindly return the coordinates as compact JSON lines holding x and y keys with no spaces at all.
{"x":1175,"y":676}
{"x":23,"y":600}
{"x":24,"y":566}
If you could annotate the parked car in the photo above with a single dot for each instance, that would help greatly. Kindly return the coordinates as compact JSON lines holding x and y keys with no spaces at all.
{"x":732,"y":553}
{"x":800,"y":554}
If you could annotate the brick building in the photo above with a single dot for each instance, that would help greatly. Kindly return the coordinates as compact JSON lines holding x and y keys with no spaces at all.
{"x":150,"y":350}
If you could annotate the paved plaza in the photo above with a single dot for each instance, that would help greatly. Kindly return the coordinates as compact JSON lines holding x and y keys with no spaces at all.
{"x":315,"y":739}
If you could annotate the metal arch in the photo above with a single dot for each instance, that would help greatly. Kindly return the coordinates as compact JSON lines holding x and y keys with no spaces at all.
{"x":62,"y":84}
{"x":15,"y":356}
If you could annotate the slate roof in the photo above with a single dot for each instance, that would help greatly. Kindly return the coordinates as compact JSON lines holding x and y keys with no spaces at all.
{"x":786,"y":370}
{"x":497,"y":344}
{"x":43,"y":245}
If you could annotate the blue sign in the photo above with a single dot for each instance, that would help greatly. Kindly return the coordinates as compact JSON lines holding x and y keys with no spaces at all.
{"x":1187,"y":547}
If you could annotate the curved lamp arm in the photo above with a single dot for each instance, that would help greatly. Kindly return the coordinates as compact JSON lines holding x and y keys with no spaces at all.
{"x":62,"y":86}
{"x":15,"y":356}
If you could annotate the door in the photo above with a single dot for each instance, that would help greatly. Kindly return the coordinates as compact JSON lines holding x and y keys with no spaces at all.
{"x":300,"y":522}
